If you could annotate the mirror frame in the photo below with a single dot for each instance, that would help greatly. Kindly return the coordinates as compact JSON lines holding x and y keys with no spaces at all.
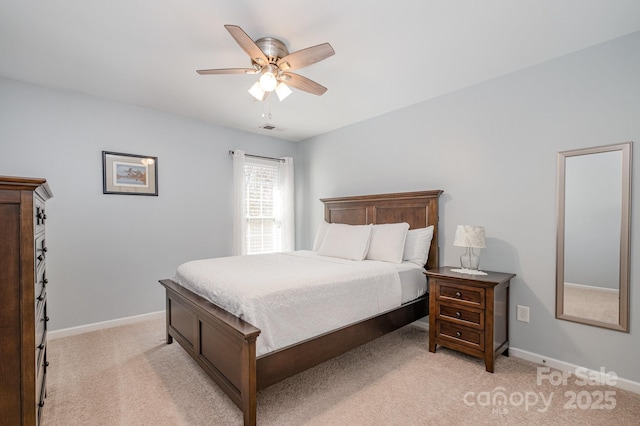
{"x":623,"y":317}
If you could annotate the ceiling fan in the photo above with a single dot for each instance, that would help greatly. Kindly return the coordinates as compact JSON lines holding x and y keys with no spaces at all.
{"x":271,"y":59}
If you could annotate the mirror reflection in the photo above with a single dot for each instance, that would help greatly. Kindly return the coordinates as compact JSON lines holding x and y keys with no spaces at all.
{"x":593,"y":236}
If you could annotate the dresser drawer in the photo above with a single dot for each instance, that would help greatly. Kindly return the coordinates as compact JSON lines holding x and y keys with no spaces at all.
{"x":40,"y":290}
{"x":40,"y":216}
{"x":470,"y":296}
{"x":41,"y":349}
{"x":464,"y":316}
{"x":466,"y":336}
{"x":41,"y":252}
{"x":41,"y":387}
{"x":41,"y":324}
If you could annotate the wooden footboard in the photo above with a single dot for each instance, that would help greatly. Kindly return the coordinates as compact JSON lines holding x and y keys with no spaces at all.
{"x":225,"y":346}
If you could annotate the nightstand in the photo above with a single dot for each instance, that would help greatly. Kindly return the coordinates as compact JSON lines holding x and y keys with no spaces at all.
{"x":469,"y":313}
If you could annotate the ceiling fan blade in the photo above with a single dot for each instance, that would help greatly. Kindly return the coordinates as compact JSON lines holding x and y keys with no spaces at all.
{"x":247,"y":44}
{"x":305,"y":57}
{"x":228,"y":71}
{"x":303,"y":83}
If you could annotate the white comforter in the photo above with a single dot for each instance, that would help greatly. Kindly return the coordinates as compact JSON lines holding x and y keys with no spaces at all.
{"x":293,"y":296}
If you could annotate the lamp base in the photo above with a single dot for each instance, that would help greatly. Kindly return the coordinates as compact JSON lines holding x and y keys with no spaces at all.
{"x":470,"y":260}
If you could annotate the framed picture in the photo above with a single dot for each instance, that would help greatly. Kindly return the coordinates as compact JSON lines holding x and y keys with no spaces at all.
{"x":129,"y":174}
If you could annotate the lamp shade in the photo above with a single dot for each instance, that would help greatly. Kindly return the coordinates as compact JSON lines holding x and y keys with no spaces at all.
{"x":282,"y":90}
{"x":470,"y":236}
{"x":257,"y":91}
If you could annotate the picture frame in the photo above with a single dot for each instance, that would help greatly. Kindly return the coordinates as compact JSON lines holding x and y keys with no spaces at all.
{"x":129,"y":174}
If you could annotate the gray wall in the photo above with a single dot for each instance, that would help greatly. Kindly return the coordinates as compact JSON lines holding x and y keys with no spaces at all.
{"x":492,"y":149}
{"x":107,"y":252}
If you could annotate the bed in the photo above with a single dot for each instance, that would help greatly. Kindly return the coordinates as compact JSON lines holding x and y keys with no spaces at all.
{"x":225,"y":345}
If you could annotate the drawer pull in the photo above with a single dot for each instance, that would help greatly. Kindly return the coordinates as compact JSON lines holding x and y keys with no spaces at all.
{"x":458,"y":314}
{"x":41,"y":404}
{"x":41,"y":215}
{"x":45,"y":281}
{"x":458,"y":294}
{"x":40,"y":258}
{"x":41,"y":298}
{"x":46,"y":363}
{"x":44,"y":249}
{"x":458,"y":334}
{"x":46,"y":319}
{"x":41,"y":346}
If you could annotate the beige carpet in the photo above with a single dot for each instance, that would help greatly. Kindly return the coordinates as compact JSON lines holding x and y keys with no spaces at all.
{"x":592,"y":302}
{"x":129,"y":376}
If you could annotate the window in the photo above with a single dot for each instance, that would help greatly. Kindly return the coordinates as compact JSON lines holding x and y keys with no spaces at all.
{"x":263,"y":222}
{"x":261,"y":186}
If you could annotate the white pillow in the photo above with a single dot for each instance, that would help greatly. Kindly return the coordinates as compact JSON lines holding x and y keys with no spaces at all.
{"x":346,"y":241}
{"x":322,"y":231}
{"x":387,"y":242}
{"x":416,"y":246}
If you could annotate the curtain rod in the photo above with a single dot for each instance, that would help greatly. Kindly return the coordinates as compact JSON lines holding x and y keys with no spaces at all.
{"x":280,"y":160}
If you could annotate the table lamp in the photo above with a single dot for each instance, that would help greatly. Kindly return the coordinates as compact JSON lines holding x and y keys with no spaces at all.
{"x":470,"y":237}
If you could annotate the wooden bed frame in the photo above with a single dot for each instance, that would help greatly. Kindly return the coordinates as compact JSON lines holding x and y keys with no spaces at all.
{"x":225,"y":345}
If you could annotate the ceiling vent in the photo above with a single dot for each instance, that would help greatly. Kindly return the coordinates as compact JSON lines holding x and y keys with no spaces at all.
{"x":268,"y":126}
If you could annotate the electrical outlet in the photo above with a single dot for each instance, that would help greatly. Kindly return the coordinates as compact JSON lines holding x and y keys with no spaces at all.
{"x":522,"y":313}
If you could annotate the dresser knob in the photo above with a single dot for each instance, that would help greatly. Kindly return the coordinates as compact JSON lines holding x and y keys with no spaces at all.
{"x":458,"y":334}
{"x":41,"y":404}
{"x":458,"y":314}
{"x":41,"y":298}
{"x":44,"y":249}
{"x":40,"y":258}
{"x":41,"y":346}
{"x":46,"y":319}
{"x":46,"y":364}
{"x":45,"y":281}
{"x":458,"y":294}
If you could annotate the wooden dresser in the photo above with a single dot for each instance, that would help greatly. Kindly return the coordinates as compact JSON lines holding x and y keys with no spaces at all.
{"x":23,"y":299}
{"x":469,"y":313}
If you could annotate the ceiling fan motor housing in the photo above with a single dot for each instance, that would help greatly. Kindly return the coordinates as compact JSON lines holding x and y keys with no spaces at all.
{"x":272,"y":48}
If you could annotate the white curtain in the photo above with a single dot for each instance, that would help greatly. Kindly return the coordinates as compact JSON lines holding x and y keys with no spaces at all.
{"x":239,"y":222}
{"x":286,"y":215}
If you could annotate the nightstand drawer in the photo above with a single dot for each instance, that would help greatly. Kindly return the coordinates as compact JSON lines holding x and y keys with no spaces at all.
{"x":470,"y":296}
{"x":464,"y":316}
{"x":462,"y":335}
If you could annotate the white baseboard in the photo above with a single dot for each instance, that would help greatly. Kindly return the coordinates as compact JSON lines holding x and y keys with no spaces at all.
{"x":72,"y":331}
{"x":571,"y":368}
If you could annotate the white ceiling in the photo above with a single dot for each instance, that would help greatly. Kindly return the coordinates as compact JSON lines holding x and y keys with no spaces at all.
{"x":389,"y":54}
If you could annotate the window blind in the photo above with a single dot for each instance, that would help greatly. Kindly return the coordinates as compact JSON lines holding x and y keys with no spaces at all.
{"x":263,"y":231}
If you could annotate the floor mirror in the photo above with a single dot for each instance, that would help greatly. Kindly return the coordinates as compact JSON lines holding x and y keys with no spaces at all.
{"x":594,"y":206}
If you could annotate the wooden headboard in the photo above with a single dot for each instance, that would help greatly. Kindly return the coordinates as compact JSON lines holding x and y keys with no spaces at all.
{"x":418,"y":209}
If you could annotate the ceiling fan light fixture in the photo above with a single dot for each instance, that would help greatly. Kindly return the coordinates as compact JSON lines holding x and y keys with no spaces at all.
{"x":257,"y":91}
{"x":268,"y":80}
{"x":282,"y":90}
